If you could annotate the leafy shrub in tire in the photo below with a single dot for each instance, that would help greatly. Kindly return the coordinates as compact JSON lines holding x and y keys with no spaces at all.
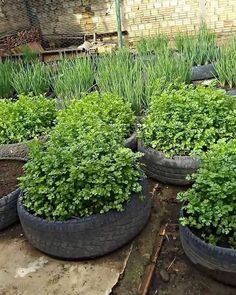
{"x":82,"y":177}
{"x":84,"y":115}
{"x":208,"y":222}
{"x":184,"y":123}
{"x":25,"y":118}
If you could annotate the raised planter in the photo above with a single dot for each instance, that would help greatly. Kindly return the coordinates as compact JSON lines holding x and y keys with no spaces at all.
{"x":132,"y":142}
{"x":203,"y":72}
{"x":217,"y":262}
{"x":19,"y":150}
{"x":171,"y":171}
{"x":87,"y":237}
{"x":10,"y":170}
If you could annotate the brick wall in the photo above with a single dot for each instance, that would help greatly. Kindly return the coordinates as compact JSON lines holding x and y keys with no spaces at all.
{"x":13,"y":16}
{"x":141,"y":18}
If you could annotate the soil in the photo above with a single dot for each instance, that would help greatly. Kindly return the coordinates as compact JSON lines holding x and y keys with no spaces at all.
{"x":182,"y":277}
{"x":10,"y":170}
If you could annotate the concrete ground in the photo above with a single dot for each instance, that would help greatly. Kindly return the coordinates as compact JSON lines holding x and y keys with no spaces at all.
{"x":26,"y":271}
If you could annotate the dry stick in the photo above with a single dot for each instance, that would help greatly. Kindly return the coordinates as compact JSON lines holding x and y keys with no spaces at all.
{"x":148,"y":275}
{"x":172,"y":262}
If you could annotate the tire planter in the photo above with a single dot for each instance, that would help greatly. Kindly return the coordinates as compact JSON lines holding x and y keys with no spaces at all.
{"x":132,"y":142}
{"x":14,"y":150}
{"x":171,"y":171}
{"x":217,"y":262}
{"x":88,"y":237}
{"x":203,"y":72}
{"x":9,"y":192}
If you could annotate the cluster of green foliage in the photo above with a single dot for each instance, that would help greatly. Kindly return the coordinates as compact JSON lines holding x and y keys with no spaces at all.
{"x":120,"y":74}
{"x":210,"y":205}
{"x":32,"y":78}
{"x":106,"y":108}
{"x":225,"y":65}
{"x":200,"y":48}
{"x":74,"y":78}
{"x":6,"y":70}
{"x":188,"y":120}
{"x":25,"y":118}
{"x":168,"y":68}
{"x":154,"y":45}
{"x":29,"y":55}
{"x":83,"y":169}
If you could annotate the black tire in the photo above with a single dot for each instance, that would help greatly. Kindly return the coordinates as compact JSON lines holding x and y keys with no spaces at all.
{"x":14,"y":150}
{"x":171,"y":171}
{"x":217,"y":262}
{"x":203,"y":72}
{"x":231,"y":92}
{"x":132,"y":142}
{"x":8,"y":209}
{"x":88,"y":237}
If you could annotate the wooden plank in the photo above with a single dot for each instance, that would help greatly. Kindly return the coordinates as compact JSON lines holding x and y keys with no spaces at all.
{"x":150,"y":269}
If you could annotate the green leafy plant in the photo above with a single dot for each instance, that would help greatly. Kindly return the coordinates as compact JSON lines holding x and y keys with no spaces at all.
{"x":88,"y":173}
{"x":32,"y":77}
{"x":7,"y":68}
{"x":29,"y":55}
{"x":25,"y":118}
{"x":120,"y":74}
{"x":106,"y":108}
{"x":187,"y":121}
{"x":225,"y":66}
{"x":200,"y":48}
{"x":210,"y":205}
{"x":153,"y":45}
{"x":167,"y":67}
{"x":74,"y":78}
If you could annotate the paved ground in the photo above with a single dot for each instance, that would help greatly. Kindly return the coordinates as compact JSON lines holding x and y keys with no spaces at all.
{"x":26,"y":271}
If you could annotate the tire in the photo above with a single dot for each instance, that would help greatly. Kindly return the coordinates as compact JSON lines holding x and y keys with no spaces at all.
{"x":217,"y":262}
{"x":171,"y":171}
{"x":203,"y":72}
{"x":231,"y":92}
{"x":8,"y":209}
{"x":10,"y":170}
{"x":132,"y":142}
{"x":14,"y":150}
{"x":88,"y":237}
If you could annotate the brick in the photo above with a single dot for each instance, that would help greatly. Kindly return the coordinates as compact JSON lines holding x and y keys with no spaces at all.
{"x":141,"y":17}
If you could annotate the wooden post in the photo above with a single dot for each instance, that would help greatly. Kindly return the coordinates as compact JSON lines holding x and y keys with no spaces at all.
{"x":119,"y":23}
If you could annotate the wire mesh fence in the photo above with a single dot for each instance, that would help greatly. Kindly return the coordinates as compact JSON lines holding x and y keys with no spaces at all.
{"x":55,"y":24}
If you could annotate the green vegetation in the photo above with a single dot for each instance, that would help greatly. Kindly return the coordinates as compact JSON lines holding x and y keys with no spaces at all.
{"x":83,"y":169}
{"x":74,"y":78}
{"x":6,"y":70}
{"x":153,"y":45}
{"x":166,"y":68}
{"x":108,"y":109}
{"x":210,"y":205}
{"x":200,"y":48}
{"x":32,"y":78}
{"x":25,"y":118}
{"x":120,"y":74}
{"x":187,"y":121}
{"x":225,"y":65}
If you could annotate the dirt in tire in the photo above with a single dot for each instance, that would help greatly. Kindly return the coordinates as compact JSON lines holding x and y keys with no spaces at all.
{"x":10,"y":171}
